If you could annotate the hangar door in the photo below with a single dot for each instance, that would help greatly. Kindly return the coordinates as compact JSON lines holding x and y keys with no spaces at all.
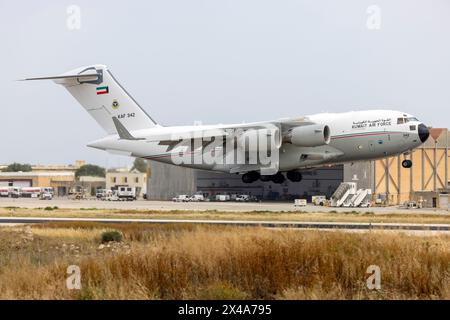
{"x":22,"y":184}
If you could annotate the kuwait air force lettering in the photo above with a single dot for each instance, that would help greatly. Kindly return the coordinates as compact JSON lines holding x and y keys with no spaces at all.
{"x":371,"y":123}
{"x":273,"y":150}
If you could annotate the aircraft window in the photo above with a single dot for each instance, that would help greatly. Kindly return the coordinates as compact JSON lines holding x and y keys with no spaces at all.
{"x":406,"y":120}
{"x":412,"y":128}
{"x":400,"y":120}
{"x":413,"y":119}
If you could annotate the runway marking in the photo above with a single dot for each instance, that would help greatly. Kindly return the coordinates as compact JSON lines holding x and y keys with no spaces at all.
{"x":242,"y":223}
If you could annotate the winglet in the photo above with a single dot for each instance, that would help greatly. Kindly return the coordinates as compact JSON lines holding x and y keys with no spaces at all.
{"x":122,"y":131}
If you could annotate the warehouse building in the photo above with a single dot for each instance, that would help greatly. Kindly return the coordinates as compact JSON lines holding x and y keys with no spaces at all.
{"x":427,"y":182}
{"x":61,"y":182}
{"x":59,"y":177}
{"x":167,"y":181}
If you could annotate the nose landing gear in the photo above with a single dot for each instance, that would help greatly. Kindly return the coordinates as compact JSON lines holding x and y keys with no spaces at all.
{"x":407,"y":164}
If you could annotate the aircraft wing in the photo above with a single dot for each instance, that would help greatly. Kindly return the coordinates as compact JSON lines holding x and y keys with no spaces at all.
{"x":227,"y":130}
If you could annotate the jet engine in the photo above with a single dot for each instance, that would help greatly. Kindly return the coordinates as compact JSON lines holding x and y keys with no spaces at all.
{"x":314,"y":135}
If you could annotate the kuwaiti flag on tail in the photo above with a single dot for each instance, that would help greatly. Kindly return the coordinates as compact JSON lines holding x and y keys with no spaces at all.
{"x":102,"y":90}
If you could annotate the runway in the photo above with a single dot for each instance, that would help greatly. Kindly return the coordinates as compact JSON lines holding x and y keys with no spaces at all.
{"x":242,"y":223}
{"x":64,"y":203}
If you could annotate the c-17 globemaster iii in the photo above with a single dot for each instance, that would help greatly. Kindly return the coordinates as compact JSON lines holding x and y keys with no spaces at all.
{"x":269,"y":150}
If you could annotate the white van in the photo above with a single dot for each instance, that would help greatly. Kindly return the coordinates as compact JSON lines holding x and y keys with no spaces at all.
{"x":222,"y":197}
{"x":197,"y":198}
{"x":126,"y":193}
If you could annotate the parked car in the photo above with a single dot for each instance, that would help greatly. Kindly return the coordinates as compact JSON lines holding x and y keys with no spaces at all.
{"x":243,"y":198}
{"x":181,"y":198}
{"x":100,"y":194}
{"x":46,"y":196}
{"x":111,"y":196}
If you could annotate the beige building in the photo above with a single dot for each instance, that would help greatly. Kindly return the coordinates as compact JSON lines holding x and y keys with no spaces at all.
{"x":61,"y":182}
{"x":124,"y":177}
{"x":427,"y":181}
{"x":60,"y":177}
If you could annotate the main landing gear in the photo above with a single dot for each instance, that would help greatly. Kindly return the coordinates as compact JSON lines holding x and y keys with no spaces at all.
{"x":294,"y":176}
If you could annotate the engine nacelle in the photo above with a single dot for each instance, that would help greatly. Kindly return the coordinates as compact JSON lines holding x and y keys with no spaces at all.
{"x":308,"y":136}
{"x":254,"y":139}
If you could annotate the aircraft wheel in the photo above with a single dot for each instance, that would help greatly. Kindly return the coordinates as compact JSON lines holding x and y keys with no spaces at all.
{"x":278,"y":178}
{"x":407,"y":164}
{"x":250,"y":177}
{"x":294,"y":176}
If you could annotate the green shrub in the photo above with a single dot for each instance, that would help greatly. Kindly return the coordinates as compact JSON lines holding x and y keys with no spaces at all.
{"x":113,"y":235}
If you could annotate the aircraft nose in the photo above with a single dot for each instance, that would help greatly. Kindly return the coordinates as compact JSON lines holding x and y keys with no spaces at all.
{"x":424,"y":133}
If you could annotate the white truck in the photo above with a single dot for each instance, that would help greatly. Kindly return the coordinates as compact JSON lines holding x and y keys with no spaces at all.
{"x":30,"y":192}
{"x":197,"y":198}
{"x":4,"y":191}
{"x":126,"y":193}
{"x":223,"y":197}
{"x":15,"y":192}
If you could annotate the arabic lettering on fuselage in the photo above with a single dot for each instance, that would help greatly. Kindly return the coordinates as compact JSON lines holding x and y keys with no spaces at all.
{"x":371,"y":123}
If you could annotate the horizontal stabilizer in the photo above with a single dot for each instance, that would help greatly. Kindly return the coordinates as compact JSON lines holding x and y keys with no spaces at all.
{"x":94,"y":76}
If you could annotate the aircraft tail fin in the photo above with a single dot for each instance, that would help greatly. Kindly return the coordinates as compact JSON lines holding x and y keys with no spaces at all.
{"x":96,"y":89}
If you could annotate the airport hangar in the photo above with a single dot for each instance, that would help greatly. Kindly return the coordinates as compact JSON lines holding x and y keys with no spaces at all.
{"x":427,"y":181}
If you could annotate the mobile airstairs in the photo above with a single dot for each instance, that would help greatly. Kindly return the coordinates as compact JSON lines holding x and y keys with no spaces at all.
{"x":347,"y":195}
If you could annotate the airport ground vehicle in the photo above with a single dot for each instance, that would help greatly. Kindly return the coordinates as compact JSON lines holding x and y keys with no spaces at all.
{"x":243,"y":198}
{"x":110,"y":195}
{"x":197,"y":198}
{"x":100,"y":194}
{"x":223,"y":197}
{"x":319,"y":200}
{"x":126,"y":193}
{"x":4,"y":191}
{"x":25,"y":192}
{"x":46,"y":196}
{"x":15,"y":192}
{"x":30,"y":192}
{"x":181,"y":198}
{"x":300,"y":203}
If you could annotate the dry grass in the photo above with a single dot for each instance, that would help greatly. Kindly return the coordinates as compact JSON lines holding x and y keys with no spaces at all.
{"x":210,"y":262}
{"x":349,"y":216}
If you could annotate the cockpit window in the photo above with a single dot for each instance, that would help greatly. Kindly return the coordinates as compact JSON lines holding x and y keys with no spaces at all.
{"x":406,"y":120}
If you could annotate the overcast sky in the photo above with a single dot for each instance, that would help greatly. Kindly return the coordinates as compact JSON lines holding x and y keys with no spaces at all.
{"x":217,"y":62}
